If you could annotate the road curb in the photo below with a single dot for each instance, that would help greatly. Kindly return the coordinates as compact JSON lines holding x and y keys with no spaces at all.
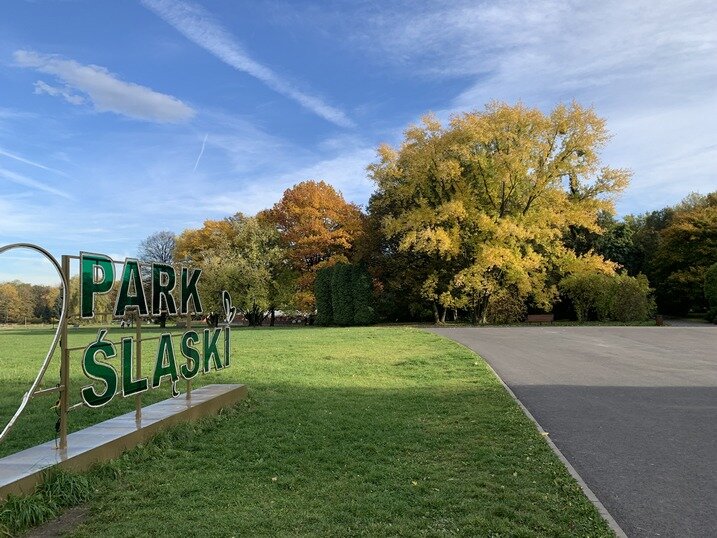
{"x":586,"y":489}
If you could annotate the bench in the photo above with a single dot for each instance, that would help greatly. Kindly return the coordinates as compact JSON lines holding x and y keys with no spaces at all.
{"x":540,"y":318}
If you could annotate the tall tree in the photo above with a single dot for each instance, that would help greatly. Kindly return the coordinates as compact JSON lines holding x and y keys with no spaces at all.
{"x":318,"y":228}
{"x":482,"y":205}
{"x":158,"y":247}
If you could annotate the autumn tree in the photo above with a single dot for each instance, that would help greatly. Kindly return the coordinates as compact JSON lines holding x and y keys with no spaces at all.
{"x":318,"y":228}
{"x":10,"y":303}
{"x":242,"y":255}
{"x":213,"y":235}
{"x":481,"y":206}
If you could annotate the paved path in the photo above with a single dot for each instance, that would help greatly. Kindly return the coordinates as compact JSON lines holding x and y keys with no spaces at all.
{"x":634,"y":410}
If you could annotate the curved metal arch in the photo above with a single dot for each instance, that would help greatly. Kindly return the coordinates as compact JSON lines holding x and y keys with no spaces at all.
{"x":63,"y":316}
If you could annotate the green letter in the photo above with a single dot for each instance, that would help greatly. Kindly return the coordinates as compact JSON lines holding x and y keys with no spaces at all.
{"x":99,"y":371}
{"x":162,"y":291}
{"x":190,"y":337}
{"x":164,"y":367}
{"x":129,"y":385}
{"x":189,"y":291}
{"x":227,"y":336}
{"x":90,"y":266}
{"x":131,"y":276}
{"x":211,"y":351}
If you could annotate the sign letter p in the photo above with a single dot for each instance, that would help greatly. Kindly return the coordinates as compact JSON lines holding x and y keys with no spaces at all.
{"x":97,"y":276}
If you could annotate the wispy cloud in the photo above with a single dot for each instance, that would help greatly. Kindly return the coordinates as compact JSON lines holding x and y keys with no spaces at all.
{"x":66,"y":93}
{"x":647,"y":66}
{"x":23,"y":160}
{"x":195,"y":23}
{"x":25,"y":181}
{"x":104,"y":89}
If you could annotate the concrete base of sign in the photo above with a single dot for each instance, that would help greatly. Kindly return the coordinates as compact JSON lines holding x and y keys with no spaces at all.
{"x":22,"y":471}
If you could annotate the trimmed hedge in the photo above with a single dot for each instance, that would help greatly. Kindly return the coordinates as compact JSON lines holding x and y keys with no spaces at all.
{"x":322,"y":292}
{"x":344,"y":296}
{"x":362,"y":296}
{"x":342,"y":299}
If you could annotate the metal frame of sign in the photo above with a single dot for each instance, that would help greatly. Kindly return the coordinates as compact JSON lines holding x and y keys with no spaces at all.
{"x":61,"y":337}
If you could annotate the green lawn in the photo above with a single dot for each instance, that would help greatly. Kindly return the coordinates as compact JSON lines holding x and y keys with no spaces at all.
{"x":373,"y":431}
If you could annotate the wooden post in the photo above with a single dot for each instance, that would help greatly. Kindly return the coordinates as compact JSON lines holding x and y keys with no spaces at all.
{"x":64,"y":362}
{"x":189,"y":381}
{"x":138,"y":367}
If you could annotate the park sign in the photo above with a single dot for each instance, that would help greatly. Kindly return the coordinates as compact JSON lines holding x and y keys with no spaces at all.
{"x":200,"y":352}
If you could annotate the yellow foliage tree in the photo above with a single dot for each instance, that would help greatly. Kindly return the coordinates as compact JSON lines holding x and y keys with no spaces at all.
{"x":483,"y":204}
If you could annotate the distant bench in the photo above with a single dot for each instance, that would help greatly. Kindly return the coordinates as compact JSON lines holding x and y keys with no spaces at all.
{"x":540,"y":318}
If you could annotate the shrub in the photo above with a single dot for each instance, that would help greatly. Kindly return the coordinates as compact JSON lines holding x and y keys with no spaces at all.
{"x":342,"y":302}
{"x":711,"y":292}
{"x":505,"y":307}
{"x":322,"y":292}
{"x":625,"y":298}
{"x":583,"y":291}
{"x":609,"y":297}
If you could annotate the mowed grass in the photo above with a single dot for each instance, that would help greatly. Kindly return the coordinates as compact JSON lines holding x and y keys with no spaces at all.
{"x":361,"y":431}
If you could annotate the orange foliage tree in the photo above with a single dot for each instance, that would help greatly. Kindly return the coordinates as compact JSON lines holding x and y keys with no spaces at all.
{"x":318,"y":228}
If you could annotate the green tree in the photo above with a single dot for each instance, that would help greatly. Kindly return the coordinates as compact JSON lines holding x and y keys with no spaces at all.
{"x":686,"y":247}
{"x":711,"y":292}
{"x":248,"y":268}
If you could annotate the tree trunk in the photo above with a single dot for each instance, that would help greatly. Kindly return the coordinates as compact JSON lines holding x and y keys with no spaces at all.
{"x":436,"y":317}
{"x":163,"y":320}
{"x":455,"y":314}
{"x":443,"y":315}
{"x":484,"y":309}
{"x":273,"y":318}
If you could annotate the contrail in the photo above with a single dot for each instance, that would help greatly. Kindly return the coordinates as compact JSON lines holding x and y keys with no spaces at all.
{"x":201,"y":152}
{"x":197,"y":25}
{"x":6,"y":153}
{"x":32,"y":183}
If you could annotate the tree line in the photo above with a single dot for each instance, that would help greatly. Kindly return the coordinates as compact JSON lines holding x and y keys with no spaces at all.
{"x":497,"y":214}
{"x":21,"y":302}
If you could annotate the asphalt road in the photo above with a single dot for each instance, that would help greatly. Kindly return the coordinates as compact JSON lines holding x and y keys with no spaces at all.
{"x":634,"y":410}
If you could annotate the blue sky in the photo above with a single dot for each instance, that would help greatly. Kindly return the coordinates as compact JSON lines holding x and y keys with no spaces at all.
{"x":121,"y":118}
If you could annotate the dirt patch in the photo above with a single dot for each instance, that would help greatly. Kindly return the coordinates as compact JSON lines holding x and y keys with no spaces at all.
{"x":68,"y":521}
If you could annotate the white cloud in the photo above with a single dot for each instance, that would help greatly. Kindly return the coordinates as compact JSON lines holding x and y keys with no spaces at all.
{"x":25,"y":181}
{"x":345,"y":171}
{"x":197,"y":25}
{"x":72,"y":98}
{"x":106,"y":91}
